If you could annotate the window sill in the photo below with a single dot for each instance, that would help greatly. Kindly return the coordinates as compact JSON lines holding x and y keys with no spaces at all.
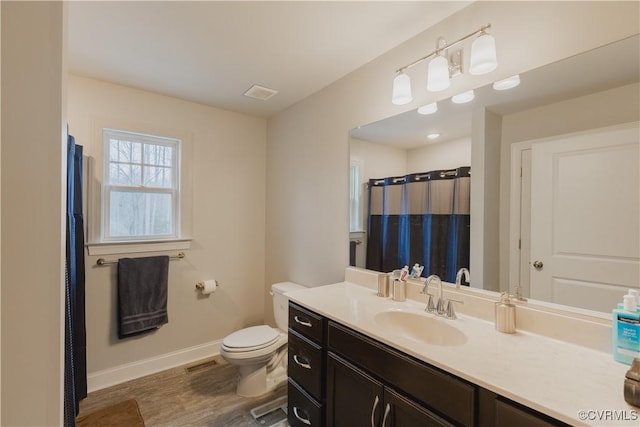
{"x":138,"y":246}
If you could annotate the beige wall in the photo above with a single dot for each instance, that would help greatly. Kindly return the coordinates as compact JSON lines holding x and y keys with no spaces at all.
{"x":33,"y":173}
{"x":307,"y":156}
{"x":377,"y":160}
{"x":225,"y":159}
{"x":441,"y":155}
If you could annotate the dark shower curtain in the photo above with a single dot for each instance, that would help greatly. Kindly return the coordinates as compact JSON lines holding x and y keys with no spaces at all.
{"x":75,"y":371}
{"x":420,"y":218}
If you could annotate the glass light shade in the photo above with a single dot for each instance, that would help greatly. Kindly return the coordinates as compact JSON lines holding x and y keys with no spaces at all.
{"x":508,"y":83}
{"x":438,"y":74}
{"x":483,"y":55}
{"x":401,"y":90}
{"x":428,"y":109}
{"x":463,"y":97}
{"x":433,"y":136}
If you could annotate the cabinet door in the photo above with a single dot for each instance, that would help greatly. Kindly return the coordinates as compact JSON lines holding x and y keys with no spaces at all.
{"x":402,"y":412}
{"x":354,"y":399}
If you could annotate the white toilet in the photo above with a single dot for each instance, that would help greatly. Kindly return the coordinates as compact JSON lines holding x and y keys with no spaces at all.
{"x":260,"y":352}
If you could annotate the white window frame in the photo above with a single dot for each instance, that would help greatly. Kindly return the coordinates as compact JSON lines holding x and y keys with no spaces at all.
{"x":174,"y":191}
{"x":355,"y":196}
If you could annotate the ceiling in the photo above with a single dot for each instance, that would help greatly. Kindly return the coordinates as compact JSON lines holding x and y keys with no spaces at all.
{"x":607,"y":67}
{"x":211,"y":52}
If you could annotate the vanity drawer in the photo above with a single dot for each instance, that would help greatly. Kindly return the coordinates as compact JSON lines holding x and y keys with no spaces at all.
{"x":306,"y":322}
{"x":509,"y":414}
{"x":303,"y":410}
{"x":305,"y":364}
{"x":442,"y":392}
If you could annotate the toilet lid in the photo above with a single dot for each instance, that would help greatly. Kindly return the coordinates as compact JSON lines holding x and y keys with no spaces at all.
{"x":252,"y":338}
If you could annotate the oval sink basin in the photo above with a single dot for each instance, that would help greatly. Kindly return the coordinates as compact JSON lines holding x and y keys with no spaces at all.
{"x":424,"y":328}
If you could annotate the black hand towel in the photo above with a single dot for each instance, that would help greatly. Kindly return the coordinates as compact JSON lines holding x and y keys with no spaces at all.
{"x":142,"y":294}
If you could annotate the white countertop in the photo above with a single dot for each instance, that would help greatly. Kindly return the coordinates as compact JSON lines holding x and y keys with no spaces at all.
{"x":550,"y":376}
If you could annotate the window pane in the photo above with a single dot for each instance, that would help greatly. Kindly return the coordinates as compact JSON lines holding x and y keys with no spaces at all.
{"x":140,"y":214}
{"x":125,"y":151}
{"x":125,"y":174}
{"x":159,"y":177}
{"x":161,"y":155}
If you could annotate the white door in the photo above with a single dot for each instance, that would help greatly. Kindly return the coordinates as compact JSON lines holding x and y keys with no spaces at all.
{"x":585,"y":218}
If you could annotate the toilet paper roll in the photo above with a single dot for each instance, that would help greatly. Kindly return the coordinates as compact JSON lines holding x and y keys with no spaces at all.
{"x":208,"y":286}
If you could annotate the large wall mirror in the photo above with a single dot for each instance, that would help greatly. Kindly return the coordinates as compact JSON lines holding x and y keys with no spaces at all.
{"x":503,"y":135}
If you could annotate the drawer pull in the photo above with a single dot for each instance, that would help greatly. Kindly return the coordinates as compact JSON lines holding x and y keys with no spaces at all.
{"x":373,"y":411}
{"x":303,"y":420}
{"x":302,"y":321}
{"x":386,"y":413}
{"x":303,"y":364}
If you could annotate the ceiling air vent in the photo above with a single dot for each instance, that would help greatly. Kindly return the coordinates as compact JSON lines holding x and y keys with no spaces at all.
{"x":260,"y":92}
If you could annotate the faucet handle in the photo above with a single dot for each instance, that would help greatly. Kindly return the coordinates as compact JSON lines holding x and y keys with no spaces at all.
{"x":430,"y":308}
{"x":451,"y":313}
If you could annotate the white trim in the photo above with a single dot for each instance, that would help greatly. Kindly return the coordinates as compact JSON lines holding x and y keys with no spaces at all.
{"x":129,"y":371}
{"x":514,"y":210}
{"x":138,"y":246}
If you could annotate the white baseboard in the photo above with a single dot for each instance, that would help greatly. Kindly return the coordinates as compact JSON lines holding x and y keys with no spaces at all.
{"x":129,"y":371}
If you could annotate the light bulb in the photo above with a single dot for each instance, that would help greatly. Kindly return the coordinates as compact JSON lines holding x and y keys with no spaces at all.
{"x":508,"y":83}
{"x":483,"y":55}
{"x":428,"y":109}
{"x":438,"y":74}
{"x":401,"y":90}
{"x":463,"y":97}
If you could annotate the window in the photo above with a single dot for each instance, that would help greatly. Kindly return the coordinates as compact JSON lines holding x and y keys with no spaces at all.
{"x":141,"y":187}
{"x":355,"y":224}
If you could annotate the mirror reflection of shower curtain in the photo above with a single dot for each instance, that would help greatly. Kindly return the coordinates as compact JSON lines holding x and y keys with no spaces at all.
{"x":420,"y":218}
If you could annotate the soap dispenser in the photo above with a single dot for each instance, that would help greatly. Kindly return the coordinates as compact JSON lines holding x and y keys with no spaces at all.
{"x":505,"y":315}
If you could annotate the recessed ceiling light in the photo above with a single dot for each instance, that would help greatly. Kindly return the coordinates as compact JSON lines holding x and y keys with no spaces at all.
{"x":463,"y":97}
{"x":433,"y":135}
{"x":508,"y":83}
{"x":428,"y":109}
{"x":260,"y":92}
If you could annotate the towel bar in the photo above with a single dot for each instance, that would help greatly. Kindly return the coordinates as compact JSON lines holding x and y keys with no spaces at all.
{"x":102,"y":261}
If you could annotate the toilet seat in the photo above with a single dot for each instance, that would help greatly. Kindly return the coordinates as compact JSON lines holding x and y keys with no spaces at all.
{"x":251,"y":339}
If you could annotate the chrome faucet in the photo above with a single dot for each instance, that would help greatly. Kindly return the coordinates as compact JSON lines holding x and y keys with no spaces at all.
{"x":462,"y":272}
{"x":439,"y":308}
{"x":442,"y":307}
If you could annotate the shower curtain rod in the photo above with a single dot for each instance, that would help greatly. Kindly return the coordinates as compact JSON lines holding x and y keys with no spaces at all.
{"x":101,"y":261}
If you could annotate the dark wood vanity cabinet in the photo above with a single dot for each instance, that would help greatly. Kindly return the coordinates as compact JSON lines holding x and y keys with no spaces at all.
{"x":341,"y":378}
{"x":354,"y":399}
{"x":306,"y":367}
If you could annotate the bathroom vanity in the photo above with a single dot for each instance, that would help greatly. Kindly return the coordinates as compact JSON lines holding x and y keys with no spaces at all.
{"x":359,"y":360}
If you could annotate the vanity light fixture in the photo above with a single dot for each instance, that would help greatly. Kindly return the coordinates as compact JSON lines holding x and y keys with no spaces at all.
{"x":508,"y":83}
{"x":428,"y":109}
{"x":463,"y":97}
{"x":401,"y":89}
{"x":442,"y":67}
{"x":483,"y":54}
{"x":438,"y":74}
{"x":433,"y":136}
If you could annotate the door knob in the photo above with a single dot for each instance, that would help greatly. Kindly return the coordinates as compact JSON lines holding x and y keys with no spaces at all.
{"x":538,"y":265}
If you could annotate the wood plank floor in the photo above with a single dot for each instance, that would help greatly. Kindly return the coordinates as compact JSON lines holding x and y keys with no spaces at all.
{"x":203,"y":395}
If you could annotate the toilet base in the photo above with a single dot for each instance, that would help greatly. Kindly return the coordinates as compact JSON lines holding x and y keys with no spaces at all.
{"x":255,"y":381}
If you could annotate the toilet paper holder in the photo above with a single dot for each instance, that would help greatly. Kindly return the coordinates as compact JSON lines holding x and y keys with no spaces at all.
{"x":200,"y":285}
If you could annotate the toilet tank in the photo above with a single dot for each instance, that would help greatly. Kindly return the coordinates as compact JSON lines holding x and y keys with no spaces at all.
{"x":281,"y":302}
